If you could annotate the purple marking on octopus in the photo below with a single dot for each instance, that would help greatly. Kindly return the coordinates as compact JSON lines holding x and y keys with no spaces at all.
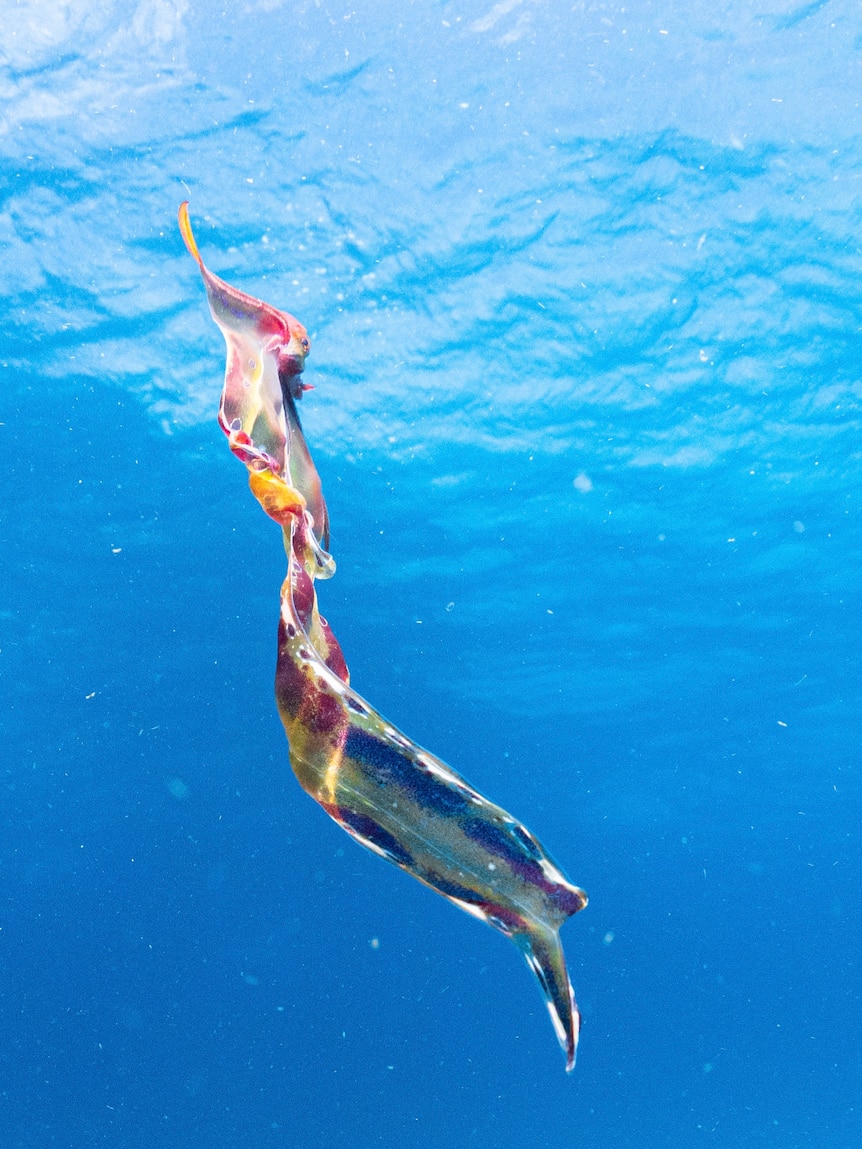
{"x":568,"y":901}
{"x":453,"y":889}
{"x":497,"y":840}
{"x":392,"y":767}
{"x":368,"y":829}
{"x":527,"y":841}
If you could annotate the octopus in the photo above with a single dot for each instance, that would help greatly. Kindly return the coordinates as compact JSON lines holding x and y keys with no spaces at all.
{"x":389,"y":794}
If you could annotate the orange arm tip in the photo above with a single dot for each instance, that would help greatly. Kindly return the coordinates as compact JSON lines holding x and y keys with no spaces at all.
{"x":280,"y":501}
{"x":186,"y":232}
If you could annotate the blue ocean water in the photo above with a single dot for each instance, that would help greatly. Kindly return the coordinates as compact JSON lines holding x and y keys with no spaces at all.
{"x":583,"y":285}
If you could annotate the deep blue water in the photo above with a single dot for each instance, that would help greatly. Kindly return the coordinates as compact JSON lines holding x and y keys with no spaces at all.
{"x":584,"y":285}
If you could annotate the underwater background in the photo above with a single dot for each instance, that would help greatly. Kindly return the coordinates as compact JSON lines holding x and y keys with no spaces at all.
{"x":584,"y":289}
